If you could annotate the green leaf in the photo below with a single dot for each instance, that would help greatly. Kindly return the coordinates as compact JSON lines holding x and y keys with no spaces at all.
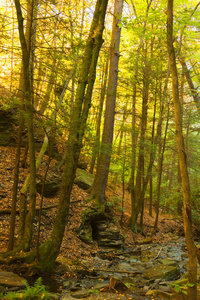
{"x":177,"y":288}
{"x":191,"y":284}
{"x":184,"y":292}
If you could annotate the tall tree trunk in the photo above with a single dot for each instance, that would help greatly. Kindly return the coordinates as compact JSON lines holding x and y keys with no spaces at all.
{"x":48,"y":251}
{"x":20,"y":94}
{"x":28,"y":100}
{"x":187,"y":215}
{"x":15,"y":185}
{"x":152,"y":141}
{"x":100,"y":181}
{"x":95,"y":152}
{"x":133,"y":135}
{"x":140,"y":168}
{"x":160,"y":169}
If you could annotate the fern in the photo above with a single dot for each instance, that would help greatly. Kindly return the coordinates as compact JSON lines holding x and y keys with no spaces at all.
{"x":36,"y":292}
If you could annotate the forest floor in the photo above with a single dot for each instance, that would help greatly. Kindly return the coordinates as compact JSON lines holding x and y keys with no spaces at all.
{"x":72,"y":247}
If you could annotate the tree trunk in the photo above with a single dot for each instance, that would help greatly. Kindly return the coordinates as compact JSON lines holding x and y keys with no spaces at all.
{"x":28,"y":100}
{"x":191,"y":247}
{"x":15,"y":185}
{"x":194,"y":92}
{"x":160,"y":169}
{"x":133,"y":135}
{"x":100,"y":181}
{"x":152,"y":141}
{"x":95,"y":152}
{"x":48,"y":251}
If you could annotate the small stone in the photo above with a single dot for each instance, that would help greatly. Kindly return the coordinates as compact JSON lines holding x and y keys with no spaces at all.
{"x":122,"y":257}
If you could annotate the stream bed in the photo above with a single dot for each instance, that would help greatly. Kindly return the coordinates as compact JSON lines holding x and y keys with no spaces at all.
{"x":135,"y":272}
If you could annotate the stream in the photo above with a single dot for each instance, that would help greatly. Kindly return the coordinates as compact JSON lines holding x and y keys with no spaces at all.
{"x":147,"y":271}
{"x":136,"y":271}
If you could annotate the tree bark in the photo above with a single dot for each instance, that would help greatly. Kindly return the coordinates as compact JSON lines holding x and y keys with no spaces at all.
{"x":100,"y":181}
{"x":95,"y":152}
{"x":191,"y":247}
{"x":160,"y":169}
{"x":28,"y":100}
{"x":133,"y":135}
{"x":48,"y":251}
{"x":194,"y":92}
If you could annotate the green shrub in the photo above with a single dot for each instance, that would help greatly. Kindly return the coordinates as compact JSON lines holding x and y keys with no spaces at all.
{"x":36,"y":292}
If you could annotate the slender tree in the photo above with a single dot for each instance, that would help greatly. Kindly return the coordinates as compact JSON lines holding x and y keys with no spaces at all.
{"x":100,"y":181}
{"x":26,"y":228}
{"x":187,"y":211}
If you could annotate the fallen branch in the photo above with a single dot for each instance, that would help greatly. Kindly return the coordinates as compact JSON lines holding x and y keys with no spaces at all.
{"x":158,"y":253}
{"x":8,"y":211}
{"x":136,"y":252}
{"x":117,"y":271}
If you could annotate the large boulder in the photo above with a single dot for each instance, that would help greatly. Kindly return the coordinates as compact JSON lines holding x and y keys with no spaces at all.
{"x":97,"y":226}
{"x":83,"y":179}
{"x":51,"y":188}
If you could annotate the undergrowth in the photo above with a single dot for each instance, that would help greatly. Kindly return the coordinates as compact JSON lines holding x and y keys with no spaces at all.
{"x":36,"y":292}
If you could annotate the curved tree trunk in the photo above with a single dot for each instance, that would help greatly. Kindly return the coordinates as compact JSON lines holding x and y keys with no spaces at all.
{"x":191,"y":247}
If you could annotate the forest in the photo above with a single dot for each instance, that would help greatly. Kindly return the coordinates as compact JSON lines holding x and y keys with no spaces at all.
{"x":99,"y":156}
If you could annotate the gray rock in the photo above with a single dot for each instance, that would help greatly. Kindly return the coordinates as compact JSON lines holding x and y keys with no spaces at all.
{"x":67,"y":296}
{"x":122,"y":257}
{"x":125,"y":267}
{"x":108,"y":235}
{"x":81,"y":294}
{"x":145,"y":288}
{"x":168,"y":262}
{"x":9,"y":279}
{"x":100,"y":285}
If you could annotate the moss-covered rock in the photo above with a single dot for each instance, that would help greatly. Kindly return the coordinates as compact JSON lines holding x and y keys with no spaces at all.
{"x":163,"y":272}
{"x":51,"y":188}
{"x":83,"y":179}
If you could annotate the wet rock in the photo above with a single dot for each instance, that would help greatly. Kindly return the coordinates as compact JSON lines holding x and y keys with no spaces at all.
{"x":125,"y":267}
{"x":138,"y":266}
{"x":168,"y":262}
{"x":163,"y":272}
{"x":9,"y":279}
{"x":81,"y":294}
{"x":156,"y":293}
{"x":100,"y":285}
{"x":67,"y":296}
